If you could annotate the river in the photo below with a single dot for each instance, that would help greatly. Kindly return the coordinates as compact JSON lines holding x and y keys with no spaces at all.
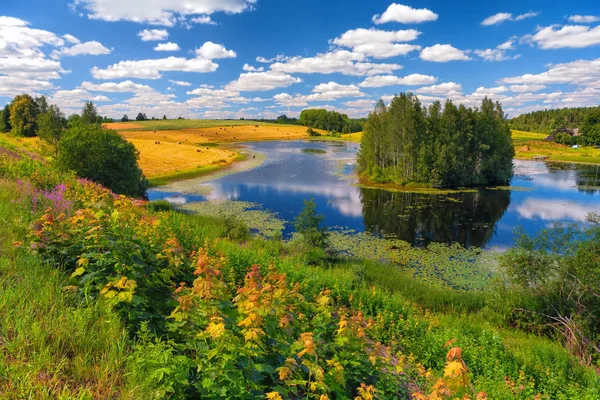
{"x":541,"y":193}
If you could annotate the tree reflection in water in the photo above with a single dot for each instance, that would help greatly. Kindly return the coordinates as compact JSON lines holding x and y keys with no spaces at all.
{"x":465,"y":218}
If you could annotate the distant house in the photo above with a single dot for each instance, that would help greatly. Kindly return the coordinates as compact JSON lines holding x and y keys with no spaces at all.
{"x":574,"y":132}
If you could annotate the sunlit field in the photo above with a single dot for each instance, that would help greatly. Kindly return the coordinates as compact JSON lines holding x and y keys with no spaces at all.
{"x":169,"y":157}
{"x":161,"y":125}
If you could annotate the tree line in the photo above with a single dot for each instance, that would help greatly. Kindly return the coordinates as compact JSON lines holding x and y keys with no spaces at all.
{"x":143,"y":117}
{"x":26,"y":116}
{"x":445,"y":146}
{"x":329,"y":120}
{"x":79,"y":143}
{"x":548,"y":121}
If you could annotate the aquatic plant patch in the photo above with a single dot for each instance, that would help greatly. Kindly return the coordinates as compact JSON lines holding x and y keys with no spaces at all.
{"x":260,"y":221}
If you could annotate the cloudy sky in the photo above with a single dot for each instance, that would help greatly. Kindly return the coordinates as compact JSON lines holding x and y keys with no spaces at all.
{"x":263,"y":58}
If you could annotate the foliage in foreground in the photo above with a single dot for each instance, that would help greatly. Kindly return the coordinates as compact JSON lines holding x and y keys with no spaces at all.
{"x":52,"y":345}
{"x":277,"y":326}
{"x":561,"y":269}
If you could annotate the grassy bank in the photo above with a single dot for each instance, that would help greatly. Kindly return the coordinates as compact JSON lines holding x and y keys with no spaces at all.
{"x":52,"y":345}
{"x":411,"y":187}
{"x":529,"y":145}
{"x":164,"y":179}
{"x":175,"y":305}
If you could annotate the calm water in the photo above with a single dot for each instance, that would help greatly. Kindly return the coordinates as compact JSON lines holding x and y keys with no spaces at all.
{"x":486,"y":218}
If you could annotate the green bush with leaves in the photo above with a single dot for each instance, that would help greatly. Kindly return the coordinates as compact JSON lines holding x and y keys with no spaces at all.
{"x":309,"y":225}
{"x":103,"y":156}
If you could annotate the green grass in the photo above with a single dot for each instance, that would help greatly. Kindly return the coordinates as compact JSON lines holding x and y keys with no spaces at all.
{"x":521,"y":137}
{"x":314,"y":151}
{"x":51,"y":345}
{"x":176,"y":124}
{"x":182,"y":175}
{"x":553,"y":151}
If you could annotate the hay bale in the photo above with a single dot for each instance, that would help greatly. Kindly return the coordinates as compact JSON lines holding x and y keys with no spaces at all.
{"x":525,"y":148}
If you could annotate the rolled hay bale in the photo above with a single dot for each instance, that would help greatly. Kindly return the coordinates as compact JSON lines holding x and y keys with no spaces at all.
{"x":525,"y":148}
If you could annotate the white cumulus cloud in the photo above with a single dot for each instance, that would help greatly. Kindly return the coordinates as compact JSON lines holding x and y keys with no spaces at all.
{"x":212,"y":51}
{"x":404,"y":15}
{"x":159,"y":12}
{"x":262,"y":81}
{"x":169,"y":46}
{"x":151,"y":69}
{"x":573,"y":36}
{"x":339,"y":61}
{"x":152,"y":35}
{"x":503,"y":16}
{"x":584,"y":19}
{"x":443,"y":53}
{"x":391,"y":80}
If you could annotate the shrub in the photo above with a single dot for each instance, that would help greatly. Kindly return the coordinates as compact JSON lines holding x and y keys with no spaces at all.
{"x":102,"y":156}
{"x":563,"y":138}
{"x":308,"y":224}
{"x":312,"y":132}
{"x":159,"y":206}
{"x":235,"y":228}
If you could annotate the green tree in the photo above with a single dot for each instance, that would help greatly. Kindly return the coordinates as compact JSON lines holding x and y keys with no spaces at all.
{"x":457,"y":147}
{"x":23,"y":116}
{"x":164,"y":117}
{"x":89,"y":114}
{"x":591,"y":127}
{"x":51,"y":126}
{"x":125,"y":118}
{"x":5,"y":120}
{"x":42,"y":104}
{"x":308,"y":224}
{"x":103,"y":156}
{"x":140,"y":117}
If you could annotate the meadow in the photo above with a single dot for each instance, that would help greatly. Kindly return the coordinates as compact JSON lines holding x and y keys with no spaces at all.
{"x":179,"y":124}
{"x":538,"y":147}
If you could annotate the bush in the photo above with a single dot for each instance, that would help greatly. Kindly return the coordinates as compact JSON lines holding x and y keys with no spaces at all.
{"x":102,"y":156}
{"x":159,"y":206}
{"x":563,"y":138}
{"x":235,"y":228}
{"x":308,"y":224}
{"x":312,"y":132}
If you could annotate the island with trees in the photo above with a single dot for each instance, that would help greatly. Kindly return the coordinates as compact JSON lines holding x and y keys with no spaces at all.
{"x":444,"y":147}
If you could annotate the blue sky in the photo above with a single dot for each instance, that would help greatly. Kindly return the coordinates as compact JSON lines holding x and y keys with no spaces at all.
{"x":263,"y":58}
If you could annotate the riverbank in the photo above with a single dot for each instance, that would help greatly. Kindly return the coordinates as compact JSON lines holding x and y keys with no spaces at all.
{"x":532,"y":146}
{"x":411,"y":187}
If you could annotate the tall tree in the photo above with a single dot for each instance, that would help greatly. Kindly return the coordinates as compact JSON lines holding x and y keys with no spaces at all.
{"x":5,"y":120}
{"x":591,"y":126}
{"x":125,"y":118}
{"x":51,"y":126}
{"x":23,"y":116}
{"x":42,"y":104}
{"x":89,"y":114}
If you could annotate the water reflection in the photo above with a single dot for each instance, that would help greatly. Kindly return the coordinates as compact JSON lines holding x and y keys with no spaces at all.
{"x":465,"y":218}
{"x":546,"y":193}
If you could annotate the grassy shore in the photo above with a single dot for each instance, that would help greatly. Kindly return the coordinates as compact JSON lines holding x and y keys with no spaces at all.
{"x":529,"y":145}
{"x":52,"y":346}
{"x":182,"y":149}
